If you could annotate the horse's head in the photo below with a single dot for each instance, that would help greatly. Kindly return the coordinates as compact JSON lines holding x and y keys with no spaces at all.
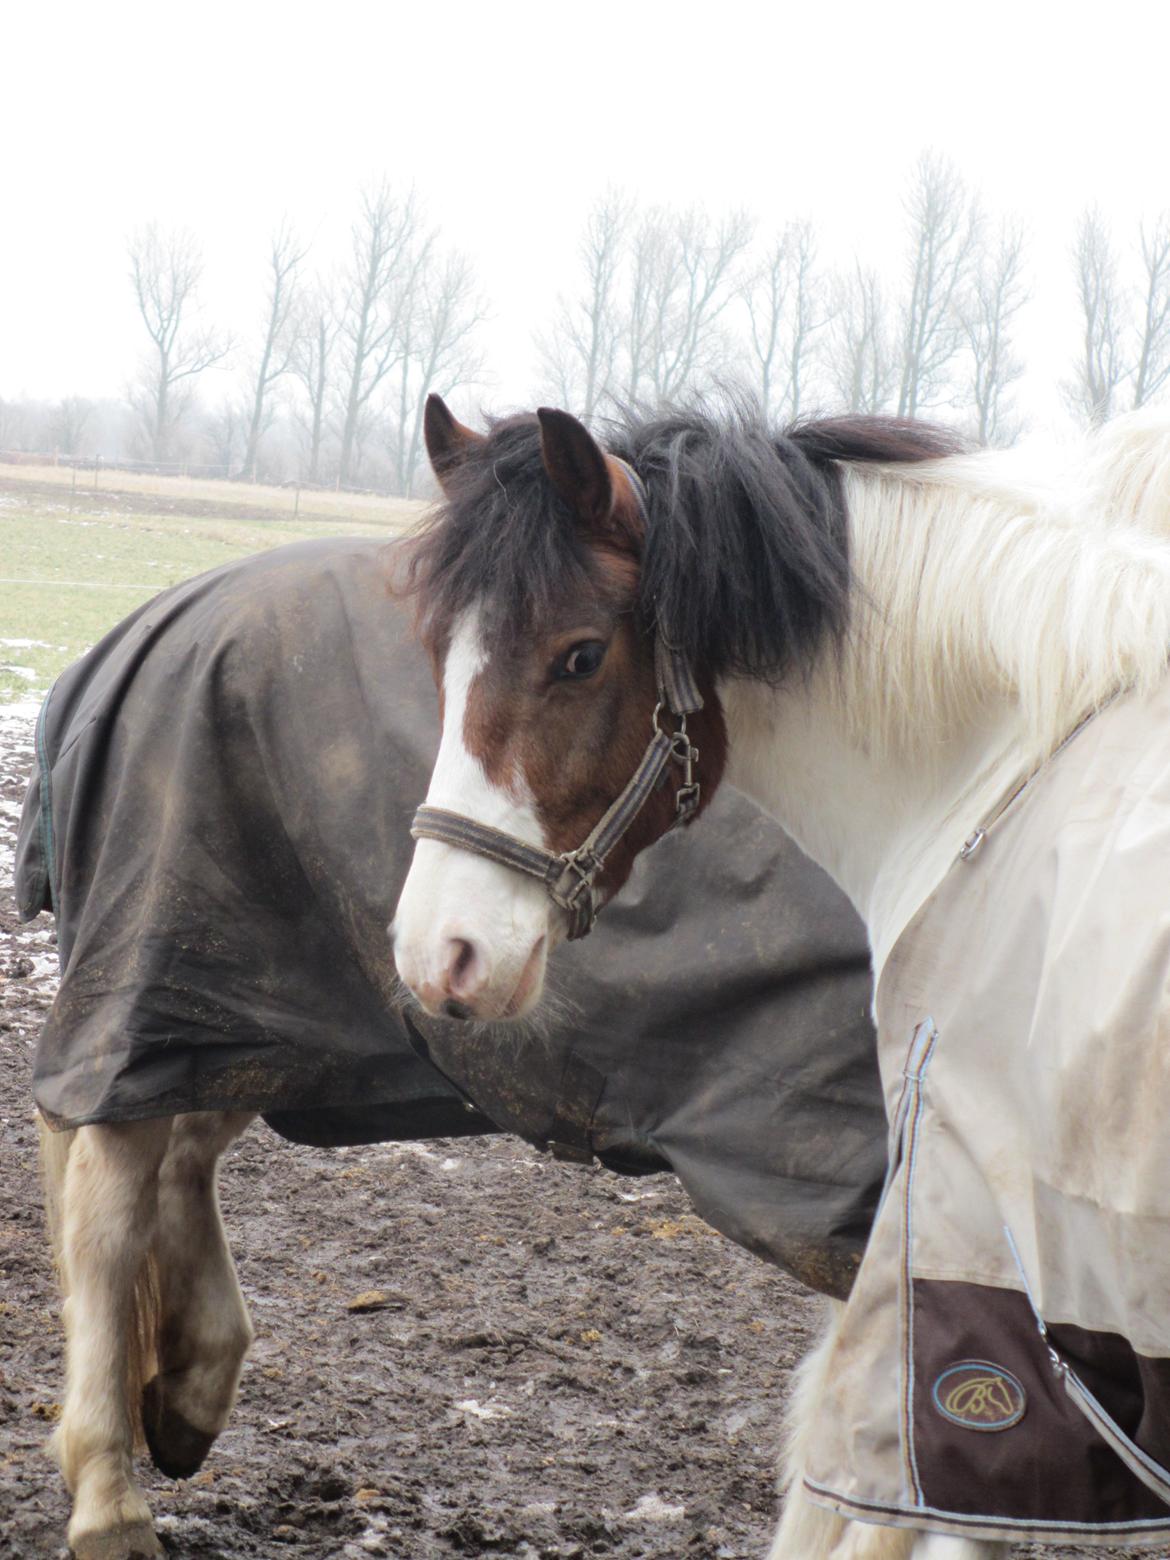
{"x":550,"y":666}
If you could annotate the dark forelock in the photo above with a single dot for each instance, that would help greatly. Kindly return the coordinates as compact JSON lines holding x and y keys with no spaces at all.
{"x":746,"y":556}
{"x":501,"y":537}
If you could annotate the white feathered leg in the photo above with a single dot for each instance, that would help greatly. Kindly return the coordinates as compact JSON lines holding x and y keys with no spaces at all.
{"x":806,"y":1532}
{"x":936,"y":1546}
{"x":810,"y":1532}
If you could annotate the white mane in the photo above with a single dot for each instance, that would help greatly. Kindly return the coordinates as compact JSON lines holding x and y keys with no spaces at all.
{"x":981,"y":578}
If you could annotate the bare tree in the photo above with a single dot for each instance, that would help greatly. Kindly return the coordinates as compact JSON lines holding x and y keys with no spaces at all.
{"x":682,"y":277}
{"x":649,"y":237}
{"x":1100,"y":369}
{"x":312,"y":364}
{"x":225,"y":432}
{"x":786,"y":307}
{"x":862,"y":360}
{"x":165,"y":270}
{"x":996,"y":295}
{"x":388,"y":253}
{"x":1153,"y":356}
{"x":438,"y":355}
{"x":13,"y":425}
{"x":68,"y":423}
{"x":279,"y":339}
{"x":580,"y":352}
{"x":944,"y":226}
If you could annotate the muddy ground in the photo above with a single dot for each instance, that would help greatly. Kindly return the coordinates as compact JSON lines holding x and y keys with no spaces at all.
{"x":548,"y":1361}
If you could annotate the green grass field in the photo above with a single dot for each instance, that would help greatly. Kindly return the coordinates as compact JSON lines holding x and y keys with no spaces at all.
{"x":66,"y":577}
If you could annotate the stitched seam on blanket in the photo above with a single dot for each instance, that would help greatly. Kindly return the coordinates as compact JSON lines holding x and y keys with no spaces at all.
{"x":964,"y":1520}
{"x":916,"y":1078}
{"x":953,"y":1273}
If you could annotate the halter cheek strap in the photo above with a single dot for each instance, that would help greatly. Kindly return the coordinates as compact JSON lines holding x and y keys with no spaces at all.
{"x":570,"y":877}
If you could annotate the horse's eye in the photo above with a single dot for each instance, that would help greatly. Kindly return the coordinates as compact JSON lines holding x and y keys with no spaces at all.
{"x":581,"y":661}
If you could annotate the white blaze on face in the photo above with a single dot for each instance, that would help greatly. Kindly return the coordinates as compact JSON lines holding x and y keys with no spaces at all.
{"x":469,"y":930}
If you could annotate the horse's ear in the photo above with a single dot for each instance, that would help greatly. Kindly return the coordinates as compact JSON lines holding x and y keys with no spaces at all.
{"x":576,"y":466}
{"x":447,"y":440}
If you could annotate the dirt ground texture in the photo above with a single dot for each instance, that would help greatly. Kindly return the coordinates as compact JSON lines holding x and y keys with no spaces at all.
{"x":462,"y":1348}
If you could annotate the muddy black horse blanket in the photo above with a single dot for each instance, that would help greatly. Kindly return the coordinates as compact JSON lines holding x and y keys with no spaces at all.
{"x":220,"y":821}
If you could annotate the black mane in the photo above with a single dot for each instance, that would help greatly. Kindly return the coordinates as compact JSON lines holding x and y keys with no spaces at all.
{"x":746,"y":559}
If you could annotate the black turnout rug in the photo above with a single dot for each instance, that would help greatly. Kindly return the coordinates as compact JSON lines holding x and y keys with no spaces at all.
{"x":219,"y":819}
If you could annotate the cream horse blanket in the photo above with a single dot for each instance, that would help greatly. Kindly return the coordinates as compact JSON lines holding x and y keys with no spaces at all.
{"x":1003,"y":1369}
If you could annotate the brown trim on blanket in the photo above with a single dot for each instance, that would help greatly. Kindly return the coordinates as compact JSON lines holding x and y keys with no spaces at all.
{"x":1049,"y":1464}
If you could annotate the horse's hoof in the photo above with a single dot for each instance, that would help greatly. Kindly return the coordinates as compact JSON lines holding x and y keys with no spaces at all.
{"x":130,"y":1541}
{"x":176,"y":1447}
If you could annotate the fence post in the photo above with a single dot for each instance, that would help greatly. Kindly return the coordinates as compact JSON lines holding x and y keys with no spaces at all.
{"x":297,"y":502}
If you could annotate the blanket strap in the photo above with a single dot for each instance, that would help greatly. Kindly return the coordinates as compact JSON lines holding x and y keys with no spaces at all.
{"x":1140,"y":1464}
{"x":974,"y":840}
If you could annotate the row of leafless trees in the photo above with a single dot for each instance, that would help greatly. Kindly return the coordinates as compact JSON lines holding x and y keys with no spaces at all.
{"x":671,"y":301}
{"x":1125,"y":352}
{"x":331,"y":382}
{"x":363,"y":344}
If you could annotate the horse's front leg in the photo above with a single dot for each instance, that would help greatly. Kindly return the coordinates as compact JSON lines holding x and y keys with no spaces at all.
{"x":107,"y":1221}
{"x":811,"y":1532}
{"x":937,"y":1546}
{"x":204,"y":1332}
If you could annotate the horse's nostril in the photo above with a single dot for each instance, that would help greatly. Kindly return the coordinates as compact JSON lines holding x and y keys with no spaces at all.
{"x":455,"y":1009}
{"x":461,"y":962}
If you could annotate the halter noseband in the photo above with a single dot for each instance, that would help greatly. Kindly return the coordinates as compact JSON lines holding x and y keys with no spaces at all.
{"x":570,"y":876}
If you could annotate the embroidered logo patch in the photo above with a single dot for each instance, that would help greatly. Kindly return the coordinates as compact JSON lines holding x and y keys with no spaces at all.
{"x":979,"y":1396}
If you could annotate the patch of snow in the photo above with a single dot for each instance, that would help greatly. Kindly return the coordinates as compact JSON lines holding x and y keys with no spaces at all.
{"x":25,"y":644}
{"x":418,"y":1150}
{"x":27,"y":672}
{"x":482,"y":1410}
{"x":652,"y":1508}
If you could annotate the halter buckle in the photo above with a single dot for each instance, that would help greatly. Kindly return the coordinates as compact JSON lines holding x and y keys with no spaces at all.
{"x":686,"y":798}
{"x":572,"y":888}
{"x":686,"y":803}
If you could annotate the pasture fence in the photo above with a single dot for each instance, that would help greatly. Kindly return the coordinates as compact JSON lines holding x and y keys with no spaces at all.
{"x":194,"y":480}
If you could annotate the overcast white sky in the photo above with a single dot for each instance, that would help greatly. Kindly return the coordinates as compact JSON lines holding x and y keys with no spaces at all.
{"x":512,"y":118}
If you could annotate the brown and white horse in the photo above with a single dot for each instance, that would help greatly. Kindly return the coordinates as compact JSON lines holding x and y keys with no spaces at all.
{"x":886,"y":633}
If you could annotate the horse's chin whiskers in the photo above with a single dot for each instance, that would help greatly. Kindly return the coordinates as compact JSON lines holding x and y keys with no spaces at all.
{"x":401,"y":995}
{"x":553,"y":1013}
